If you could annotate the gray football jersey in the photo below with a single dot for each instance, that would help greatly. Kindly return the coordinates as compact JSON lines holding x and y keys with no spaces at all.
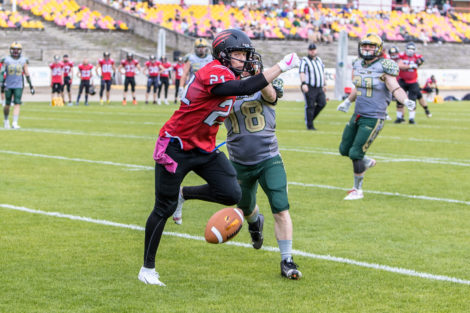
{"x":251,"y":126}
{"x":14,"y":70}
{"x":373,"y":96}
{"x":197,"y":63}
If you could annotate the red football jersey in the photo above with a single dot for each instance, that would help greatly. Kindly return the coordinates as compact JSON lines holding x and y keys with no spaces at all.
{"x":410,"y":76}
{"x":166,"y":69}
{"x":106,"y":68}
{"x":57,"y":72}
{"x":130,"y":67}
{"x":178,"y":70}
{"x":85,"y":71}
{"x":67,"y":68}
{"x":153,"y":68}
{"x":196,"y":123}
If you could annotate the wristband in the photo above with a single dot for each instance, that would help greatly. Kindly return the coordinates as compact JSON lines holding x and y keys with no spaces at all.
{"x":303,"y":83}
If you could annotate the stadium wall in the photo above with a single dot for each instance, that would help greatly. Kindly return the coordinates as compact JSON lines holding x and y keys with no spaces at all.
{"x":141,"y":27}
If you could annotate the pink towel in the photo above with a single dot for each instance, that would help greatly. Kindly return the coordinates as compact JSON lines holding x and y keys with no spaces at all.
{"x":160,"y":156}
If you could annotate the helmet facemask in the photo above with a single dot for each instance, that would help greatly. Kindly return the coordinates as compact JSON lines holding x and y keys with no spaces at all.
{"x":410,"y":50}
{"x":226,"y":59}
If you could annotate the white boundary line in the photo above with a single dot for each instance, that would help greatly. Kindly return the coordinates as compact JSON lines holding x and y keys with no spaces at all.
{"x":143,"y":167}
{"x":396,"y":270}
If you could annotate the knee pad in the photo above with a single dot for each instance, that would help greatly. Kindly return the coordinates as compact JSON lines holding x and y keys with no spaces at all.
{"x":358,"y":166}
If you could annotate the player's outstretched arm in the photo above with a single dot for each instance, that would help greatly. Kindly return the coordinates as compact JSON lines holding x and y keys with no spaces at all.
{"x":399,"y":94}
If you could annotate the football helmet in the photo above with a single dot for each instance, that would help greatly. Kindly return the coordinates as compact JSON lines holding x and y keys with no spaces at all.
{"x":56,"y":58}
{"x":410,"y":49}
{"x":256,"y":64}
{"x":370,"y":39}
{"x":200,"y":47}
{"x":106,"y":54}
{"x":393,"y":52}
{"x":231,"y":40}
{"x":130,"y":56}
{"x":152,"y":57}
{"x":15,"y":50}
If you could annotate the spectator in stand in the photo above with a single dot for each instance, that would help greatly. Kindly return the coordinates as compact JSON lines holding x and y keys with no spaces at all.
{"x":446,"y":8}
{"x":435,"y":37}
{"x":68,"y":75}
{"x":84,"y":73}
{"x":57,"y":74}
{"x":423,"y":37}
{"x":152,"y":70}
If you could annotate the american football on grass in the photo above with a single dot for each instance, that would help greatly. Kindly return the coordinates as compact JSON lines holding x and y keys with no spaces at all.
{"x":224,"y":225}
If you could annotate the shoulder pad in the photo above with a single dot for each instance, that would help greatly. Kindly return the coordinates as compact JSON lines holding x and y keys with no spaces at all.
{"x":390,"y":67}
{"x":186,"y":57}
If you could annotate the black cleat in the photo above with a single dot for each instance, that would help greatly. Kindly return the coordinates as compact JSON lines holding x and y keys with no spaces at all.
{"x":399,"y":120}
{"x":289,"y":269}
{"x":428,"y":113}
{"x":412,"y":121}
{"x":256,"y":232}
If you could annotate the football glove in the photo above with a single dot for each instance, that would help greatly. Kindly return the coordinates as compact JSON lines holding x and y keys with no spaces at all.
{"x":31,"y":89}
{"x":344,"y":106}
{"x":410,"y":104}
{"x":289,"y":61}
{"x":180,"y":92}
{"x":413,"y":66}
{"x":278,"y":85}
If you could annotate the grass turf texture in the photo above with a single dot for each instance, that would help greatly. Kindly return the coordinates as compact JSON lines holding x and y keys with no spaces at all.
{"x":51,"y":264}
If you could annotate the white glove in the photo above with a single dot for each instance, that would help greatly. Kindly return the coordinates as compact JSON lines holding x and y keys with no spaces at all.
{"x":180,"y":92}
{"x":290,"y":61}
{"x":413,"y":66}
{"x":344,"y":106}
{"x":410,"y":104}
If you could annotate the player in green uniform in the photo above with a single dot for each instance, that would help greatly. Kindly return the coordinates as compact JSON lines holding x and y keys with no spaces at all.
{"x":375,"y":82}
{"x":15,"y":67}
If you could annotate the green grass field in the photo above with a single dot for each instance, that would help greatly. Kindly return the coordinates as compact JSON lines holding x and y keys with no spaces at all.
{"x":403,"y":248}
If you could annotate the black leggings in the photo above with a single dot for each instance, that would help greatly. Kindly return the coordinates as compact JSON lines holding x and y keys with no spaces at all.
{"x":164,"y":81}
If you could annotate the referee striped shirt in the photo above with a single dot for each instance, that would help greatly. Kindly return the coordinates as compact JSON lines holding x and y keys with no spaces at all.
{"x":314,"y":70}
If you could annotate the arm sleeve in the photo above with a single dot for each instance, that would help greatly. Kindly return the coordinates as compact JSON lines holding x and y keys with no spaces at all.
{"x":240,"y":87}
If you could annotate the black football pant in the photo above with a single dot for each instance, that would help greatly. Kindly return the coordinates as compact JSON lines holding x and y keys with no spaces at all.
{"x":315,"y":101}
{"x":84,"y":84}
{"x":164,"y":82}
{"x":222,"y":187}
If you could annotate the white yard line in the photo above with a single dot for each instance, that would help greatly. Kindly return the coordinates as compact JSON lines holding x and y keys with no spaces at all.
{"x":143,"y":167}
{"x":396,"y":270}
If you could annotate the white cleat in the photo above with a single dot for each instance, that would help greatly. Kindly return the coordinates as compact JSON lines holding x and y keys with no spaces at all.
{"x":15,"y":125}
{"x":354,"y":194}
{"x":6,"y":124}
{"x":178,"y":215}
{"x":150,"y":277}
{"x":159,"y":102}
{"x":166,"y":102}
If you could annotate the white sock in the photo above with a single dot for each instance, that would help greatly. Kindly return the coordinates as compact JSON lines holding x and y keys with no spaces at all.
{"x":399,"y":114}
{"x":15,"y":118}
{"x":412,"y":115}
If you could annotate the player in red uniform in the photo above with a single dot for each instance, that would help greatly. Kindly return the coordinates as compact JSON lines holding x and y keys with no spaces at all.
{"x":68,"y":75}
{"x":57,"y":74}
{"x":165,"y":78}
{"x":408,"y":79}
{"x":84,"y":73}
{"x":130,"y":66}
{"x":178,"y":68}
{"x":187,"y":140}
{"x":430,"y":87}
{"x":152,"y":70}
{"x":106,"y":64}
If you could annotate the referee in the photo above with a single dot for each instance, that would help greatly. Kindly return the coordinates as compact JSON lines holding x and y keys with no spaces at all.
{"x":312,"y":78}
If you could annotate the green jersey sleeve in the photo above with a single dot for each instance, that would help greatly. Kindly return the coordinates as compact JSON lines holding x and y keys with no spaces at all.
{"x":390,"y":67}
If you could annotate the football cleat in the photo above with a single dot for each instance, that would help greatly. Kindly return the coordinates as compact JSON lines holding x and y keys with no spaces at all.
{"x":134,"y":102}
{"x":15,"y":125}
{"x":166,"y":102}
{"x":354,"y":194}
{"x":159,"y":102}
{"x":289,"y":269}
{"x":146,"y":102}
{"x":256,"y":232}
{"x":149,"y":276}
{"x":178,"y":215}
{"x":6,"y":124}
{"x":412,"y":121}
{"x":387,"y":117}
{"x":101,"y":102}
{"x":399,"y":120}
{"x":154,"y":102}
{"x":428,"y":113}
{"x":124,"y":102}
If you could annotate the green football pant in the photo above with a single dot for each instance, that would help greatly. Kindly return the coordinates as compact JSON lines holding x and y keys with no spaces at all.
{"x":358,"y":135}
{"x":271,"y":175}
{"x":15,"y":93}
